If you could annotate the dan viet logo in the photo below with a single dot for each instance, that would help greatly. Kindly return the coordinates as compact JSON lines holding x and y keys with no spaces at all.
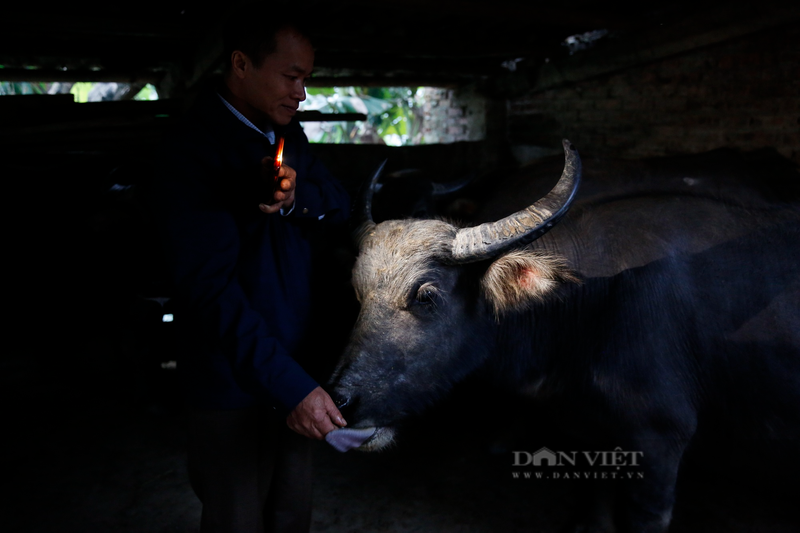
{"x":603,"y":464}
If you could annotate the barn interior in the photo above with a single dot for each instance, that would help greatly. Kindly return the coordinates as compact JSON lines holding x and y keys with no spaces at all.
{"x":94,"y":429}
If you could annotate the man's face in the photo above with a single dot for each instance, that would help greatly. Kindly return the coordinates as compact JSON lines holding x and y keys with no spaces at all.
{"x":277,"y":87}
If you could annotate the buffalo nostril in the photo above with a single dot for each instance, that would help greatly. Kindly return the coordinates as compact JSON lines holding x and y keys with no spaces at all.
{"x":340,"y":401}
{"x":346,"y":405}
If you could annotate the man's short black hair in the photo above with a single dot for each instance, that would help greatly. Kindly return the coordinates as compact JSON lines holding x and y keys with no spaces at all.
{"x":252,"y":29}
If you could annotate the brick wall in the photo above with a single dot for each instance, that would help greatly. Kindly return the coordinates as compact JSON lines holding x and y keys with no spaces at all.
{"x":453,"y":115}
{"x":743,"y":93}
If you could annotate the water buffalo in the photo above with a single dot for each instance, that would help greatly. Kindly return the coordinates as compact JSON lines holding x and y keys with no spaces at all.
{"x":649,"y":319}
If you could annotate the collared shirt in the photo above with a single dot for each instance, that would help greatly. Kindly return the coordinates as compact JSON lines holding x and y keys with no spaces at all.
{"x":269,"y":134}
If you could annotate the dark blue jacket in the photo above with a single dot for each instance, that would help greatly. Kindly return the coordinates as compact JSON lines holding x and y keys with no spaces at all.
{"x":241,"y":277}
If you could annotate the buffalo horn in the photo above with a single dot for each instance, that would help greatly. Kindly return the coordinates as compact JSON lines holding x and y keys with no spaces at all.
{"x":364,"y":205}
{"x":493,"y":238}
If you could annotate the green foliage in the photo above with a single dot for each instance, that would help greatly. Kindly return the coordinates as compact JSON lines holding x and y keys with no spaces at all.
{"x":23,"y":87}
{"x":81,"y":91}
{"x":393,"y":115}
{"x":148,"y":92}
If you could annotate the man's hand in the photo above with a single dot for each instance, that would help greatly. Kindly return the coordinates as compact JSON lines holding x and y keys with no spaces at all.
{"x":316,"y":415}
{"x":284,"y":193}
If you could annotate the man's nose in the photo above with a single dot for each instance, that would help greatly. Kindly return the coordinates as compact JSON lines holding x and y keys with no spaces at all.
{"x":299,"y":91}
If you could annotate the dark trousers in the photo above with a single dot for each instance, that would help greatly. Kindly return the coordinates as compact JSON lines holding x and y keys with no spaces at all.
{"x":250,"y":471}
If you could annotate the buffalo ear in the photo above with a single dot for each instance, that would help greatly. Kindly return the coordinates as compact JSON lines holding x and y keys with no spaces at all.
{"x":520,"y":278}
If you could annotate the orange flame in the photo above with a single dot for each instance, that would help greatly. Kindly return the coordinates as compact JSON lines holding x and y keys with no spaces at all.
{"x":278,"y":161}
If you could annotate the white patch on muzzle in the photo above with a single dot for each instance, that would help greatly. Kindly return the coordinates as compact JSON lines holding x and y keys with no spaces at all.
{"x":382,"y":438}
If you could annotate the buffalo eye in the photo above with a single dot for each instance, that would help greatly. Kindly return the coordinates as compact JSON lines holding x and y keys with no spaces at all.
{"x":427,"y":294}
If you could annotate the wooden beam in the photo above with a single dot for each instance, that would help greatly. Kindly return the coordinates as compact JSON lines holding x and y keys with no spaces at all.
{"x":49,"y":110}
{"x":76,"y":75}
{"x":318,"y":116}
{"x":386,"y":81}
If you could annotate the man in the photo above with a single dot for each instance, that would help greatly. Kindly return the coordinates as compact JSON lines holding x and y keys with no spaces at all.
{"x":241,"y":264}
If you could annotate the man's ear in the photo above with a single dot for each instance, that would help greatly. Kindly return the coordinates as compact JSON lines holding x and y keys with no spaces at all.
{"x":239,"y":62}
{"x":517,"y":279}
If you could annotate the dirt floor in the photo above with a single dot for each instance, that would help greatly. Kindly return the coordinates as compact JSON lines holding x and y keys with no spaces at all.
{"x":103,"y":451}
